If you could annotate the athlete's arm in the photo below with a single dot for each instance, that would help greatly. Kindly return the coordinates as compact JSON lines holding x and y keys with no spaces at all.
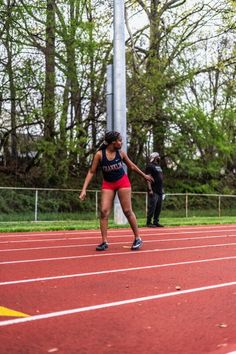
{"x":149,"y":185}
{"x":134,"y":167}
{"x":92,"y":170}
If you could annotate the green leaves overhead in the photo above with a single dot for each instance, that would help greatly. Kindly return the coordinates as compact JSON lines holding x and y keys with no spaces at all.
{"x":181,"y":93}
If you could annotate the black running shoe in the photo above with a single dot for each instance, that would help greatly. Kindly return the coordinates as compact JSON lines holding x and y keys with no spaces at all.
{"x":137,"y":244}
{"x":102,"y":247}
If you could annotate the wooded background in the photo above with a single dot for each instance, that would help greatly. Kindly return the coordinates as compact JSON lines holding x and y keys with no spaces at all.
{"x":181,"y":90}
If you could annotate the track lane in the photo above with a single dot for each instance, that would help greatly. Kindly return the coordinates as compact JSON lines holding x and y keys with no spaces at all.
{"x":189,"y":326}
{"x":85,"y":246}
{"x":7,"y":239}
{"x":170,"y":324}
{"x":67,"y":243}
{"x":111,"y":260}
{"x":84,"y":291}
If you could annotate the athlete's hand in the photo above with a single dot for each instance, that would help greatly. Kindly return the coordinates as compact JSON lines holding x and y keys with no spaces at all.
{"x":82,"y":195}
{"x":149,"y":178}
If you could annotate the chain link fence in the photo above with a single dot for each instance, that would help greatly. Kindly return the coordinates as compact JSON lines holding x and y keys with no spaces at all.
{"x":45,"y":204}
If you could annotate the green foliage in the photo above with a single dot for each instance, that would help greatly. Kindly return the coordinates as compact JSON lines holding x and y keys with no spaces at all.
{"x":61,"y":205}
{"x":180,"y":91}
{"x":197,"y":147}
{"x":18,"y":201}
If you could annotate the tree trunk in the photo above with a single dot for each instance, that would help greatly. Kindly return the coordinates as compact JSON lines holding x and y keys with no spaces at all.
{"x":155,"y":69}
{"x":49,"y":98}
{"x":12,"y":87}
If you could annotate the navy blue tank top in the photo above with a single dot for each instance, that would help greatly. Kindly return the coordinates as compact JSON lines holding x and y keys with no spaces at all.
{"x":112,"y":169}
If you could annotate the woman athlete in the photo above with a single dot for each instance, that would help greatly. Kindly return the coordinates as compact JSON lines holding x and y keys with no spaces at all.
{"x":110,"y":158}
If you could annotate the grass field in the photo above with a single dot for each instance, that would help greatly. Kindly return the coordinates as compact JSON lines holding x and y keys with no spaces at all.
{"x":17,"y":226}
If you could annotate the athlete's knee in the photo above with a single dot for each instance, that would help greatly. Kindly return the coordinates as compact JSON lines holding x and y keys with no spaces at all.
{"x":104,"y":214}
{"x":128,"y":212}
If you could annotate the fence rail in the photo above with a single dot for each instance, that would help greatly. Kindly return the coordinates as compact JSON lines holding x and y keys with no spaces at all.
{"x":34,"y":204}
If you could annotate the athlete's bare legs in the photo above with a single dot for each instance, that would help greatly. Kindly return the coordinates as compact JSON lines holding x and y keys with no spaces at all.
{"x":107,"y":197}
{"x":124,"y":195}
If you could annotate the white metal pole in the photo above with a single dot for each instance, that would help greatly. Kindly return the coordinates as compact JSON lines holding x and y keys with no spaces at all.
{"x":219,"y":206}
{"x":120,"y":70}
{"x":119,"y":85}
{"x":36,"y":206}
{"x":109,"y":89}
{"x":186,"y":205}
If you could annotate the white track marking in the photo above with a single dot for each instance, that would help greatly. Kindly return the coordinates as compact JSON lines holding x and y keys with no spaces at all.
{"x":111,"y":236}
{"x":155,"y":266}
{"x":165,"y":231}
{"x":107,"y":254}
{"x":113,"y":243}
{"x":113,"y":304}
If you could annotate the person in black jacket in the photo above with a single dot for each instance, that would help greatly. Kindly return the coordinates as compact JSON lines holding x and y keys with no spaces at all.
{"x":155,"y":190}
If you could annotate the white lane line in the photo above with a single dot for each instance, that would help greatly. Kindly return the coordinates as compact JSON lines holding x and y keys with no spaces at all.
{"x":77,"y":275}
{"x":117,"y":253}
{"x":210,"y":228}
{"x":116,"y":236}
{"x":45,"y":240}
{"x":113,"y":243}
{"x":46,"y":233}
{"x":113,"y":304}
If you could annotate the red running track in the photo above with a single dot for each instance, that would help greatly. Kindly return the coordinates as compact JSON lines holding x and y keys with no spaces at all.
{"x":176,"y":295}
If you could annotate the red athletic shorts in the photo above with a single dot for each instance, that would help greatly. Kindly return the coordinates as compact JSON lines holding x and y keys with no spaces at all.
{"x":123,"y":182}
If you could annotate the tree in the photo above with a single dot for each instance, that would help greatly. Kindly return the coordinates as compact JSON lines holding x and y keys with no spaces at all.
{"x":166,"y":53}
{"x":8,"y":44}
{"x":67,"y":70}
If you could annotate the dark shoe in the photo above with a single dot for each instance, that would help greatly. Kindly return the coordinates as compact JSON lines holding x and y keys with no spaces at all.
{"x":137,"y":244}
{"x":102,"y":247}
{"x":158,"y":225}
{"x":151,"y":225}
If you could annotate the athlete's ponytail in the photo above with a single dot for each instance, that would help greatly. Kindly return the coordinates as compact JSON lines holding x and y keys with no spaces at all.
{"x":109,"y":138}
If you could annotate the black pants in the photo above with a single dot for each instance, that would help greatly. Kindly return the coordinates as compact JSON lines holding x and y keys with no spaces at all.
{"x":154,"y":207}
